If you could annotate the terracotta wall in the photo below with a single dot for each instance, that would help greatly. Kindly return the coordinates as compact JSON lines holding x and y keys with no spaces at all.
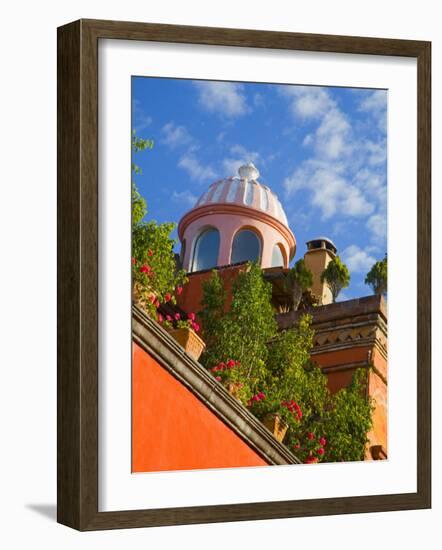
{"x":173,"y":430}
{"x":190,"y":299}
{"x":377,"y":387}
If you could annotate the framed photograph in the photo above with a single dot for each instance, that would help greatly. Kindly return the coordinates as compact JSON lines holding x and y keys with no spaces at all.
{"x":243,"y":274}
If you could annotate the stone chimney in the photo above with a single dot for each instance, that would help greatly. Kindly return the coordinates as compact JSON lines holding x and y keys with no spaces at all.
{"x":320,"y":252}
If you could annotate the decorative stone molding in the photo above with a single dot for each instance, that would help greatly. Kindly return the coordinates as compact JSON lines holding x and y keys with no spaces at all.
{"x":345,"y":325}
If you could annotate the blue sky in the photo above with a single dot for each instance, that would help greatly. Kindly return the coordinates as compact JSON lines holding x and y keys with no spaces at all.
{"x":322,"y":150}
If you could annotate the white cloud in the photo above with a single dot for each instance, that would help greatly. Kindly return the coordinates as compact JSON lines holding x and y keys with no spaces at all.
{"x":330,"y":191}
{"x":141,"y":120}
{"x":307,"y":101}
{"x":377,"y":224}
{"x":184,"y":197}
{"x":175,"y":136}
{"x":375,"y":102}
{"x":345,"y":176}
{"x":238,"y":156}
{"x":225,"y":98}
{"x":357,"y":259}
{"x":332,"y":135}
{"x":195,"y":169}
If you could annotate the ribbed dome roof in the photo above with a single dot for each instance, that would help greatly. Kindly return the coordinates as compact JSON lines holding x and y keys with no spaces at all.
{"x":244,"y":190}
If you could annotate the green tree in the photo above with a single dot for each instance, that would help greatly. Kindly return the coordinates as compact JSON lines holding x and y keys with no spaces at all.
{"x":274,"y":373}
{"x":155,"y":277}
{"x":298,"y":280}
{"x":242,"y":333}
{"x":377,"y":276}
{"x":348,"y":420}
{"x":337,"y":276}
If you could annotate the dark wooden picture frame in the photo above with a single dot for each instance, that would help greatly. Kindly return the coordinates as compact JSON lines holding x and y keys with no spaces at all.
{"x":77,"y":460}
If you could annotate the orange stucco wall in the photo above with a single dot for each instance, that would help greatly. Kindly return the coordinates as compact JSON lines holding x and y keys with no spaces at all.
{"x":173,"y":430}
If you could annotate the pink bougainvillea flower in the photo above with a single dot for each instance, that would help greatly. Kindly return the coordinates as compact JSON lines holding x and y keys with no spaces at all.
{"x":167,"y":297}
{"x":321,"y":451}
{"x":323,"y":441}
{"x":179,"y":290}
{"x":160,"y":318}
{"x":311,"y":436}
{"x":191,"y":316}
{"x":261,"y":395}
{"x":196,"y":327}
{"x":177,"y":316}
{"x":168,"y":318}
{"x":149,"y":252}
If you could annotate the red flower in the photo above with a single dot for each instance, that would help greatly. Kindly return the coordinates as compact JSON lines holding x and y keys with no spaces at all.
{"x":149,"y":252}
{"x":218,"y":378}
{"x":145,"y":269}
{"x":160,"y":318}
{"x":134,"y":261}
{"x":297,"y":445}
{"x":261,"y":395}
{"x":195,"y":327}
{"x":157,"y":304}
{"x":191,"y":316}
{"x":311,"y":460}
{"x":168,"y":318}
{"x":152,"y":298}
{"x":179,"y":290}
{"x":323,"y":441}
{"x":167,"y":297}
{"x":177,"y":316}
{"x":321,"y":451}
{"x":231,"y":363}
{"x":311,"y":436}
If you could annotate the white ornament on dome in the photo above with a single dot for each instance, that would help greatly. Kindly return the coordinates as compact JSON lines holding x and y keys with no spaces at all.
{"x":248,"y":171}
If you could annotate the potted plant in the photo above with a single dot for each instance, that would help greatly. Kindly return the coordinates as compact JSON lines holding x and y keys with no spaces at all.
{"x":184,"y":331}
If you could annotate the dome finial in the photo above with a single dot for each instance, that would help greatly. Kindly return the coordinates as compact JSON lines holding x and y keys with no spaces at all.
{"x":248,"y":171}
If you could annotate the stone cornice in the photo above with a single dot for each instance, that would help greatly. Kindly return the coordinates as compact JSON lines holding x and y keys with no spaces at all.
{"x":229,"y":209}
{"x":345,"y":325}
{"x":171,"y":356}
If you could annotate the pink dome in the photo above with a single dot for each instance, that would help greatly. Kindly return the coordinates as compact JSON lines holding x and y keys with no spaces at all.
{"x":236,"y":219}
{"x":245,"y":190}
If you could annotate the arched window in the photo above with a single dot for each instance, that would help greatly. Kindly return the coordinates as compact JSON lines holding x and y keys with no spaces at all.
{"x":205,"y":254}
{"x":246,"y":247}
{"x":277,"y":256}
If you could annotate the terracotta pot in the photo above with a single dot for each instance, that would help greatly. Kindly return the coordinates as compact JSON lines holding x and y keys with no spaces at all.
{"x":190,"y":341}
{"x":277,"y":425}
